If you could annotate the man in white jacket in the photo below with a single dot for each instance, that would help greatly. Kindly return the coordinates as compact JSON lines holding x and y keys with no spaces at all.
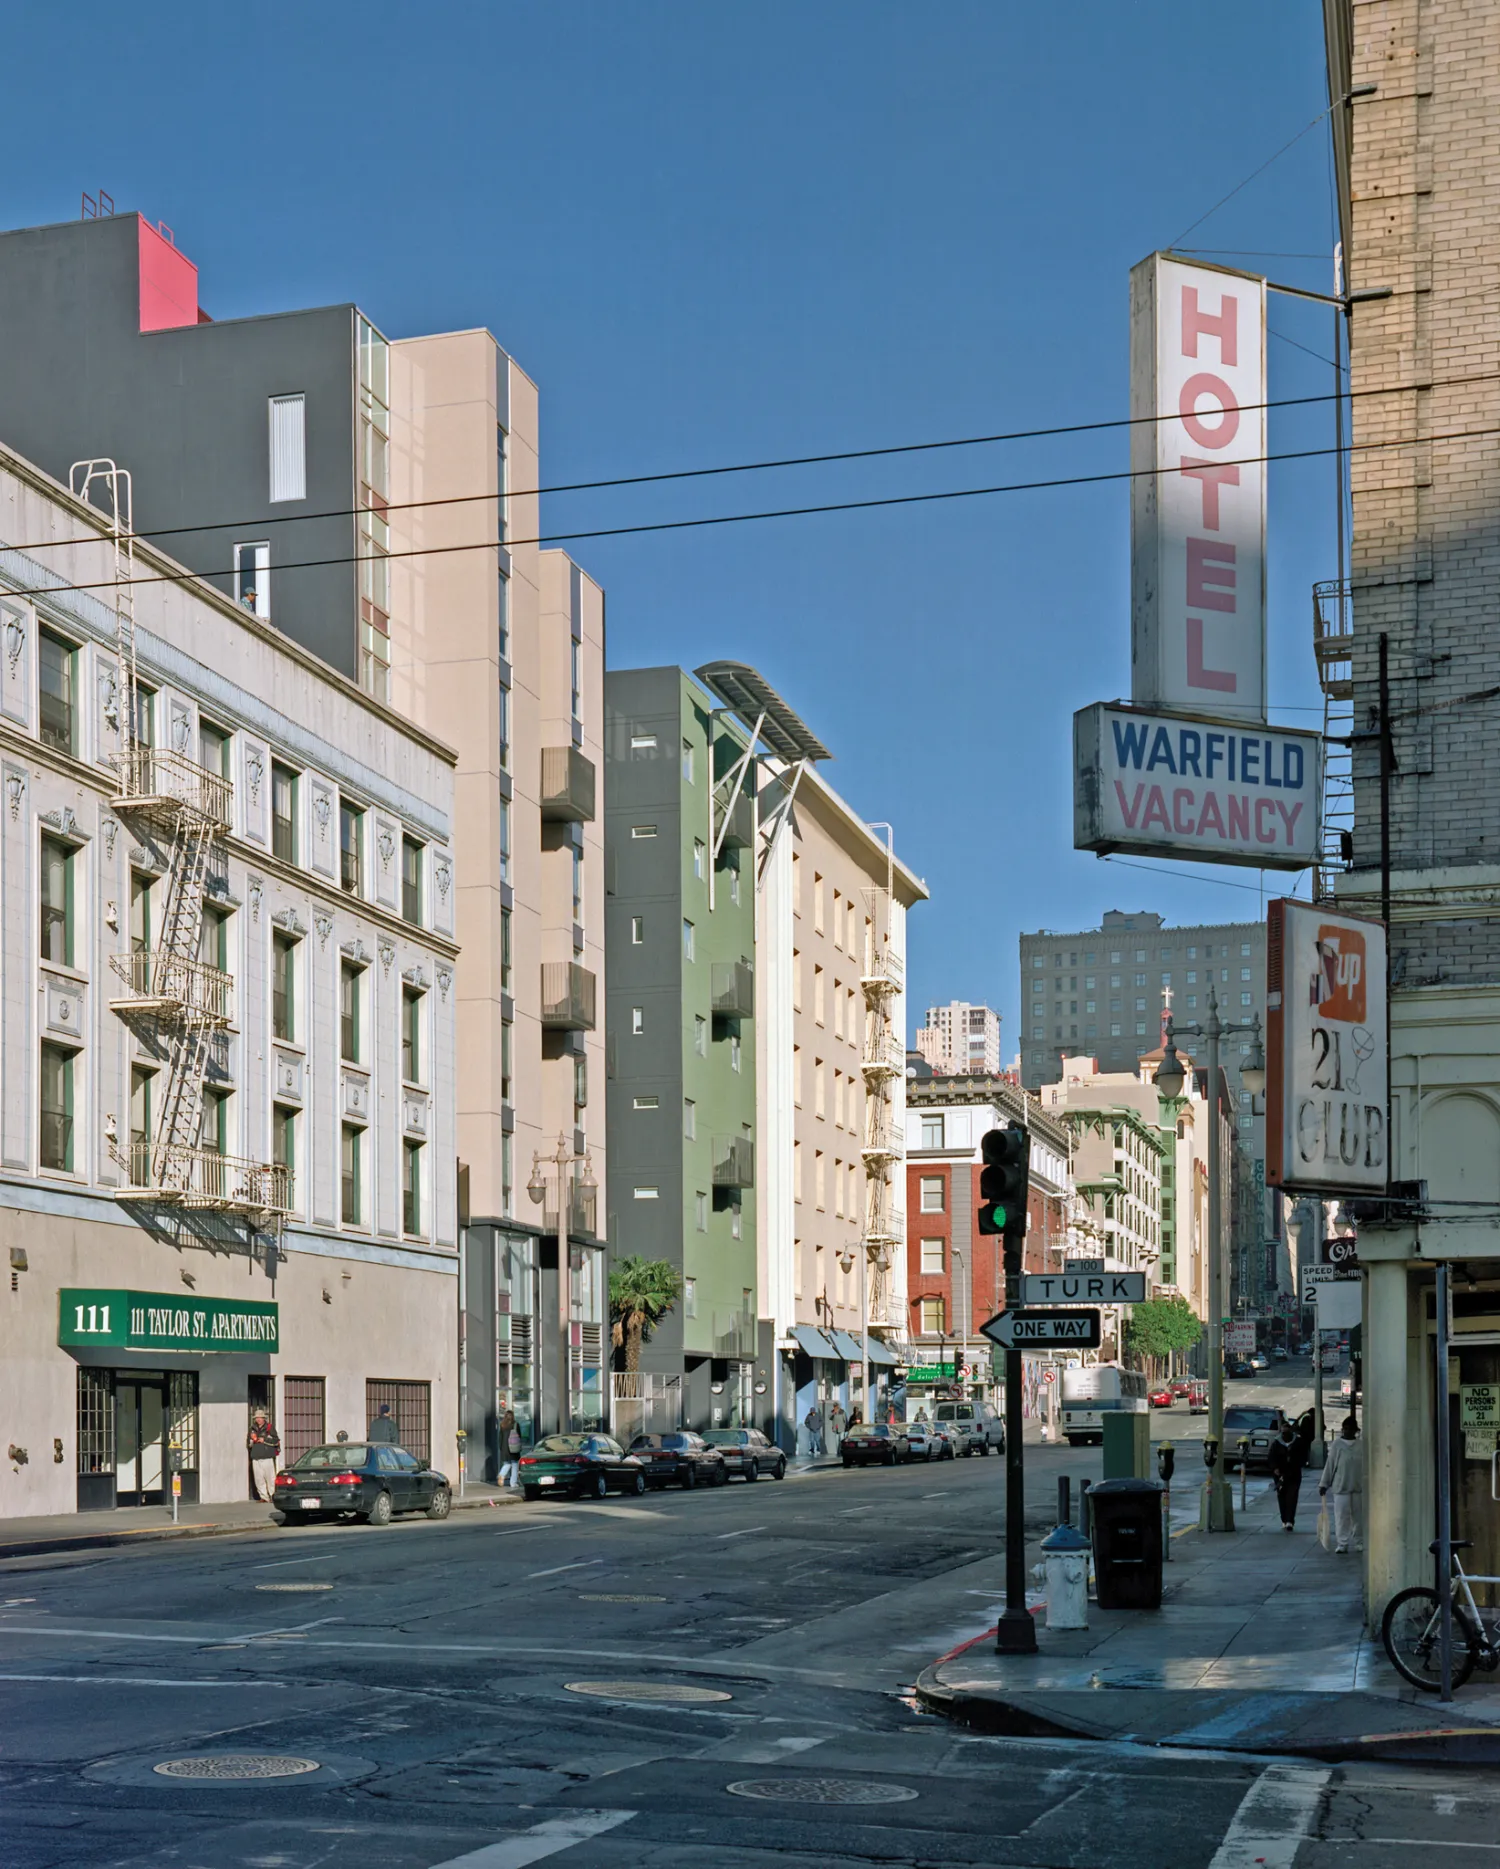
{"x":1343,"y":1482}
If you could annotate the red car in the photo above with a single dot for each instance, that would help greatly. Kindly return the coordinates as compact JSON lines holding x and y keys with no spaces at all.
{"x":1181,"y":1388}
{"x":1161,"y":1398}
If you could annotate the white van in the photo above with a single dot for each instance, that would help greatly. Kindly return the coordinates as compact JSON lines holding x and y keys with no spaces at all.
{"x":976,"y":1424}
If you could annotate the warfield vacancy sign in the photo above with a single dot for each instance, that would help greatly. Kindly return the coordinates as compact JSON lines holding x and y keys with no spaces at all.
{"x":1178,"y":785}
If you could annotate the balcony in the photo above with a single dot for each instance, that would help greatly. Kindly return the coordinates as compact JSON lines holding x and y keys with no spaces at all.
{"x":732,"y":986}
{"x":170,"y":987}
{"x":738,"y":823}
{"x":204,"y":1179}
{"x":567,"y":786}
{"x":734,"y":1162}
{"x":883,"y":1057}
{"x":163,"y":785}
{"x":882,"y":1144}
{"x":884,"y":973}
{"x":569,"y":993}
{"x":734,"y":1336}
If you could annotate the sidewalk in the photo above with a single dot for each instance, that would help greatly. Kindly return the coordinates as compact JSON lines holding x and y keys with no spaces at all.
{"x":92,"y":1531}
{"x":1259,"y":1646}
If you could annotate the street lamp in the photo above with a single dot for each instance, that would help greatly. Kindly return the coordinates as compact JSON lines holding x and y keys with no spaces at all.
{"x":545,"y":1170}
{"x":847,"y":1256}
{"x":1219,"y":1505}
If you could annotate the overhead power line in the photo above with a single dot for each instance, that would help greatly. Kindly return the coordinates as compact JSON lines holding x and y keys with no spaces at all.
{"x":783,"y":512}
{"x":798,"y":460}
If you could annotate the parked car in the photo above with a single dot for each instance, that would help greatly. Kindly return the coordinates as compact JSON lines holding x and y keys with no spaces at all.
{"x":944,"y":1439}
{"x":680,"y":1459}
{"x":1239,"y":1366}
{"x":922,"y":1442}
{"x":1198,"y":1398}
{"x":980,"y":1428}
{"x":1260,"y":1359}
{"x":586,"y":1465}
{"x":747,"y":1452}
{"x":1161,"y":1398}
{"x":354,"y":1480}
{"x":1181,"y":1388}
{"x":1279,"y":1353}
{"x":875,"y":1442}
{"x":1258,"y":1426}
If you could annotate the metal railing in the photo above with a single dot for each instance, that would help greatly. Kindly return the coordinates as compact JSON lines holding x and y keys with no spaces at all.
{"x":162,"y":982}
{"x":734,"y":1162}
{"x":732,"y":984}
{"x":199,"y":1177}
{"x":569,"y":996}
{"x":568,"y":786}
{"x":153,"y":778}
{"x":884,"y":971}
{"x":1333,"y":651}
{"x":738,"y":822}
{"x":883,"y":1055}
{"x":734,"y":1334}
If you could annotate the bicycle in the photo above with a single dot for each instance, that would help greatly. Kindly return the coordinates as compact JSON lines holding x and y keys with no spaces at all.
{"x":1410,"y":1629}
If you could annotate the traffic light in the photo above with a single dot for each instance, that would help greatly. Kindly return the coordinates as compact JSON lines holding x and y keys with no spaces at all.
{"x":1003,"y":1179}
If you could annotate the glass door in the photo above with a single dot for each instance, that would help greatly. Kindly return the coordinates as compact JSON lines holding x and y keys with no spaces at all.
{"x":140,"y":1424}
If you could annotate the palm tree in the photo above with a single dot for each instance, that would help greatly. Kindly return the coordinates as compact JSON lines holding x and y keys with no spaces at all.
{"x":641,"y":1292}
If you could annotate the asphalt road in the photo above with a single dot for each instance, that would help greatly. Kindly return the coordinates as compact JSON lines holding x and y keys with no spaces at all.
{"x":431,"y":1672}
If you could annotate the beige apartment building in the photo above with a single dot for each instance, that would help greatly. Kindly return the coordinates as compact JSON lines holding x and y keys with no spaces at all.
{"x":832,"y":956}
{"x":503,"y":644}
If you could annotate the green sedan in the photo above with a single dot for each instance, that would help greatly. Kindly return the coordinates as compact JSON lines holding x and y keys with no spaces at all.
{"x":589,"y":1466}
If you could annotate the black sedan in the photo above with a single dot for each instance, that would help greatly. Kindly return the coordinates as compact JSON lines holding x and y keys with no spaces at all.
{"x":878,"y":1442}
{"x":681,"y":1459}
{"x":353,"y":1480}
{"x":590,"y":1466}
{"x":747,"y":1452}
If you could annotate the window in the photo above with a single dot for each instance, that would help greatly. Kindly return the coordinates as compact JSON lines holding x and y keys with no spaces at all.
{"x":411,"y":881}
{"x":689,"y":1119}
{"x":411,"y":1187}
{"x":1140,"y":955}
{"x":1140,"y":979}
{"x":502,"y":484}
{"x":288,"y":448}
{"x":645,"y":1103}
{"x":820,"y":1002}
{"x":411,"y":1040}
{"x":507,"y":1061}
{"x":734,"y":1051}
{"x":687,"y":938}
{"x":56,"y":680}
{"x":646,"y":1193}
{"x":213,"y":938}
{"x":700,"y":1036}
{"x":504,"y":615}
{"x":349,"y":1032}
{"x":932,"y":1255}
{"x":1246,"y":999}
{"x":505,"y":840}
{"x":504,"y":724}
{"x":817,"y":903}
{"x":637,"y":930}
{"x":687,"y":762}
{"x":145,"y":715}
{"x":141,"y":1087}
{"x":351,"y":840}
{"x":643,"y":743}
{"x":1088,"y":983}
{"x":284,"y":987}
{"x":1192,"y":953}
{"x":252,"y":578}
{"x":700,"y":859}
{"x":637,"y":1021}
{"x":507,"y":981}
{"x":57,"y":902}
{"x":643,"y":830}
{"x":700,"y":1212}
{"x":577,"y":675}
{"x":1192,"y":978}
{"x":283,"y":813}
{"x":931,"y":1194}
{"x":1244,"y":950}
{"x":284,"y":1138}
{"x":932,"y":1316}
{"x":690,"y":1297}
{"x":1244,"y":973}
{"x":57,"y":1109}
{"x":932,"y":1132}
{"x":349,"y":1175}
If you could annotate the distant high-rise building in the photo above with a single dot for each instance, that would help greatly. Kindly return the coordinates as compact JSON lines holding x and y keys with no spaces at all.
{"x":960,"y":1040}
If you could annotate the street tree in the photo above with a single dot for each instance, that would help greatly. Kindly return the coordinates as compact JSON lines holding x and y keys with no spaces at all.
{"x":641,"y":1292}
{"x":1162,"y":1326}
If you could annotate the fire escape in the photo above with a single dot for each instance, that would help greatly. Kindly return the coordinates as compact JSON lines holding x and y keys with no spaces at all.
{"x":883,"y":1062}
{"x":1333,"y":648}
{"x":174,"y":999}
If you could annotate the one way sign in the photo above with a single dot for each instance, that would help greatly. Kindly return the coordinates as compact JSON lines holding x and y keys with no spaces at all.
{"x":1044,"y":1330}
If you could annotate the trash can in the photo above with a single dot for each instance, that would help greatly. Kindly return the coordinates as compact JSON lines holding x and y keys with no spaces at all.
{"x":1126,"y":1516}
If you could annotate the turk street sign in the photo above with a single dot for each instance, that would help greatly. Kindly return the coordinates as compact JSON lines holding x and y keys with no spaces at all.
{"x":1192,"y":786}
{"x":1086,"y":1288}
{"x":1327,"y":1043}
{"x":1044,"y":1330}
{"x":156,"y":1320}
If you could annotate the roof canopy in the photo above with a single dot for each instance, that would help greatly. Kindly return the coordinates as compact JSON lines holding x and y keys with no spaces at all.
{"x":752,"y":699}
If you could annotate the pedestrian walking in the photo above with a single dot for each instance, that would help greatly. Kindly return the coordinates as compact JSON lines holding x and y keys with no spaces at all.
{"x":264,"y":1445}
{"x":836,"y":1421}
{"x":813,"y":1422}
{"x":1343,"y":1485}
{"x":1287,"y":1458}
{"x":510,"y":1452}
{"x":382,"y":1428}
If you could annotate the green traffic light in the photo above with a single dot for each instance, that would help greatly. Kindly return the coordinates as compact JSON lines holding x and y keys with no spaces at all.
{"x":999,"y":1217}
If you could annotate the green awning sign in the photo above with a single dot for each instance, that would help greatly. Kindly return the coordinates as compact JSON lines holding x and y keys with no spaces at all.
{"x":158,"y":1320}
{"x":930,"y":1372}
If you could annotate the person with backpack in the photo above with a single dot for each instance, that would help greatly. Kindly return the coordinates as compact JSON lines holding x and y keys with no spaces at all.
{"x":510,"y":1452}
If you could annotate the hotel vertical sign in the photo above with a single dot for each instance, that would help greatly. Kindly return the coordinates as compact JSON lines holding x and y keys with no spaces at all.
{"x":1198,"y":496}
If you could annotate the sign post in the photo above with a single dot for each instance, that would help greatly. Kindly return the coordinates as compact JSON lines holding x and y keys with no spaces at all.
{"x":1003,"y":1186}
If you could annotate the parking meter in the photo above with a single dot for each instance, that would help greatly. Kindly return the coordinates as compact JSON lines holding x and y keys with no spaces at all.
{"x":1244,"y":1447}
{"x":1210,"y":1453}
{"x":1166,"y":1460}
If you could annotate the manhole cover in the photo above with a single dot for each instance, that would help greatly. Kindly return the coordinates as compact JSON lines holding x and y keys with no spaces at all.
{"x":290,"y":1589}
{"x":645,"y":1690}
{"x":821,"y":1791}
{"x":615,"y":1597}
{"x":237,"y":1765}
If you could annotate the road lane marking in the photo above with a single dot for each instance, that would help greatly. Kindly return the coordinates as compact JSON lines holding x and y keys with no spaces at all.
{"x":745,"y":1533}
{"x":281,"y":1563}
{"x":1274,"y":1820}
{"x":584,"y":1564}
{"x":544,"y":1839}
{"x":142,"y":1680}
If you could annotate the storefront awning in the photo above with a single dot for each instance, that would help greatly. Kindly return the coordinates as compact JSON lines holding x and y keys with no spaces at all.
{"x":813,"y":1342}
{"x":844,"y":1344}
{"x":881,"y":1355}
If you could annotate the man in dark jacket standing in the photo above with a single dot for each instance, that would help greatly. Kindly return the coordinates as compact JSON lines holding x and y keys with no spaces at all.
{"x":1287,"y":1457}
{"x":382,"y":1428}
{"x":264,"y":1444}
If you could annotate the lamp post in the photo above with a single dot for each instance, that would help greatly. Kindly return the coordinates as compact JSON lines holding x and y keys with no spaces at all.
{"x":546,"y":1171}
{"x":1218,"y":1515}
{"x":847,"y":1256}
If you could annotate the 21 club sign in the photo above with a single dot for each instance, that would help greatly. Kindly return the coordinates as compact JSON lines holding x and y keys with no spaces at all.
{"x":1328,"y":1041}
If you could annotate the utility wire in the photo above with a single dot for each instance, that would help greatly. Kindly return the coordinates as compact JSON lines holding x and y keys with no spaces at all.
{"x":732,"y":519}
{"x":754,"y":467}
{"x":1191,"y":876}
{"x":1260,"y":171}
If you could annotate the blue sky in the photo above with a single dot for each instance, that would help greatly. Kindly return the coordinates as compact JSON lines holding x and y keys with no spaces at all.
{"x":724,"y":232}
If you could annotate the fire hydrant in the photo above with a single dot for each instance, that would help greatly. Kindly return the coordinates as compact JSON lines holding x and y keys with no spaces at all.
{"x":1066,"y":1555}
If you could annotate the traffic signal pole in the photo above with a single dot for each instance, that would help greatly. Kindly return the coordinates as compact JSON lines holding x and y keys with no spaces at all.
{"x":1003,"y":1187}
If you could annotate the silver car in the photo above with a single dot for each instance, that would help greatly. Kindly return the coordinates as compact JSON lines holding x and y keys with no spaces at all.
{"x":975,"y":1424}
{"x":921,"y":1442}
